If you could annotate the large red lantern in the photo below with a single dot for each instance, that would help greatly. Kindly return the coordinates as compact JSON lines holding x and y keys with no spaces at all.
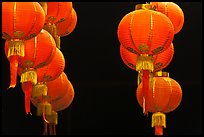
{"x":20,"y":21}
{"x":149,"y":32}
{"x":56,"y":14}
{"x":164,"y":96}
{"x":173,"y":12}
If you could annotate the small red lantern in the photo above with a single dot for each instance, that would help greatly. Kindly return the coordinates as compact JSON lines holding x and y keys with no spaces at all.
{"x":60,"y":93}
{"x":173,"y":12}
{"x":164,"y":96}
{"x":20,"y":21}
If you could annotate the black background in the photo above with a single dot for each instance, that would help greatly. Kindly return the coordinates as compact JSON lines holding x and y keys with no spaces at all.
{"x":105,"y":101}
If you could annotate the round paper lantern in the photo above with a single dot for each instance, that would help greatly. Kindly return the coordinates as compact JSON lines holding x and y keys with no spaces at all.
{"x":148,"y":31}
{"x":66,"y":27}
{"x":20,"y":21}
{"x":165,"y":94}
{"x":60,"y":93}
{"x":161,"y":60}
{"x":173,"y":12}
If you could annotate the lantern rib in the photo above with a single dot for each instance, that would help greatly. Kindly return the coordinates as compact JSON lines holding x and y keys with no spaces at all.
{"x":130,"y":29}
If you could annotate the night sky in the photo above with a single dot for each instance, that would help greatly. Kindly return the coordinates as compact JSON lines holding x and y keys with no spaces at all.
{"x":105,"y":88}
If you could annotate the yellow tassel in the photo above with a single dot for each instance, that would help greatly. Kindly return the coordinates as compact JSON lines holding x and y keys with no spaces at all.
{"x":16,"y":48}
{"x":39,"y":90}
{"x":44,"y":105}
{"x":53,"y":118}
{"x":29,"y":75}
{"x":159,"y":119}
{"x":145,"y":62}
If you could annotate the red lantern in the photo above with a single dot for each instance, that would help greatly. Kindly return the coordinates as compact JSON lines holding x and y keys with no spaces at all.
{"x":66,"y":27}
{"x":173,"y":11}
{"x":56,"y":14}
{"x":164,"y":96}
{"x":20,"y":21}
{"x":39,"y":51}
{"x":60,"y":93}
{"x":161,"y":60}
{"x":149,"y":32}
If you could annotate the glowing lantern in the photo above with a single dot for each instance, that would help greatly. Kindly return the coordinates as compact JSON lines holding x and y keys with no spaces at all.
{"x":20,"y":21}
{"x":56,"y":14}
{"x":60,"y":93}
{"x":173,"y":11}
{"x":66,"y":27}
{"x":149,"y":33}
{"x":164,"y":96}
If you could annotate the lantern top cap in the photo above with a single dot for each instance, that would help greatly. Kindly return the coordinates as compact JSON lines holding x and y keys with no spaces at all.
{"x":161,"y":74}
{"x":146,"y":6}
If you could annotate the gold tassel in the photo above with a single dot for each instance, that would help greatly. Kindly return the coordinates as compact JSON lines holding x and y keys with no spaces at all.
{"x":44,"y":105}
{"x":145,"y":62}
{"x":159,"y":119}
{"x":16,"y":48}
{"x":29,"y":75}
{"x":52,"y":118}
{"x":39,"y":89}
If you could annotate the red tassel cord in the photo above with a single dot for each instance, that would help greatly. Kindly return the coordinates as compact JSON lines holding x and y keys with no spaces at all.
{"x":158,"y":130}
{"x":145,"y":90}
{"x":27,"y":88}
{"x":13,"y":70}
